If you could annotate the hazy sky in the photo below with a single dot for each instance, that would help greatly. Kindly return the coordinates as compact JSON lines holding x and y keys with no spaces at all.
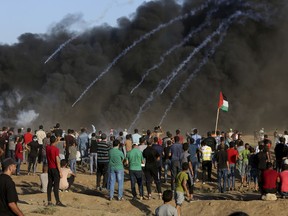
{"x":36,"y":16}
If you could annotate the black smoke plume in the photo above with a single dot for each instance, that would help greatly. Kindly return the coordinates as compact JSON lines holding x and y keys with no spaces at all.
{"x":250,"y":67}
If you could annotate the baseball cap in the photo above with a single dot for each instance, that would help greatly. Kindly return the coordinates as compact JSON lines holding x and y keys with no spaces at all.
{"x":7,"y":162}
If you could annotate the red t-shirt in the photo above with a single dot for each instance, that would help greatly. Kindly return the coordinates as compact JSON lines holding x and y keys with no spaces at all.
{"x":232,"y":155}
{"x":28,"y":138}
{"x":181,"y":139}
{"x":52,"y":152}
{"x":284,"y":181}
{"x":269,"y":178}
{"x":18,"y":151}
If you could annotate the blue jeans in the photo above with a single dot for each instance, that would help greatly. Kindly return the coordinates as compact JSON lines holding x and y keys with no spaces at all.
{"x":18,"y":166}
{"x":136,"y":176}
{"x":222,"y":174}
{"x":195,"y":166}
{"x":73,"y":165}
{"x":231,"y":176}
{"x":44,"y":160}
{"x":93,"y":161}
{"x":11,"y":154}
{"x":167,"y":166}
{"x":119,"y":175}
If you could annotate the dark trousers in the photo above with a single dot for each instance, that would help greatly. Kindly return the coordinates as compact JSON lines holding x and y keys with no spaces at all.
{"x":152,"y":172}
{"x":70,"y":181}
{"x":32,"y":162}
{"x":136,"y":176}
{"x":40,"y":154}
{"x":102,"y":170}
{"x":206,"y":167}
{"x":53,"y":181}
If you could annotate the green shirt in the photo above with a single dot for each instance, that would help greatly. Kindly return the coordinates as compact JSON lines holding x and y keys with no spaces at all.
{"x":135,"y":159}
{"x":179,"y":179}
{"x":245,"y":153}
{"x":116,"y":158}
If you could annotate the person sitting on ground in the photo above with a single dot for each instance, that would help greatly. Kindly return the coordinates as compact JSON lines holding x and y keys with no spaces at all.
{"x":67,"y":178}
{"x":44,"y":179}
{"x":284,"y":179}
{"x":181,"y":187}
{"x":269,"y":180}
{"x":167,"y":209}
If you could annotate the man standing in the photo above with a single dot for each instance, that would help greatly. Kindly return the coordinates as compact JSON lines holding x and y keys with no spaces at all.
{"x":93,"y":152}
{"x":102,"y":162}
{"x":40,"y":137}
{"x":28,"y":136}
{"x":83,"y":142}
{"x":116,"y":169}
{"x":222,"y":168}
{"x":206,"y":161}
{"x":176,"y":152}
{"x":151,"y":156}
{"x":54,"y":170}
{"x":8,"y":194}
{"x":135,"y":159}
{"x":232,"y":158}
{"x":136,"y":137}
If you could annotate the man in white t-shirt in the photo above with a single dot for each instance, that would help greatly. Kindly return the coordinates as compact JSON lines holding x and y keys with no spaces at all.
{"x":67,"y":177}
{"x":135,"y":137}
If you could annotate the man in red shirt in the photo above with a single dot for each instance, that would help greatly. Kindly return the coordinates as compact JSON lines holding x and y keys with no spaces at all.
{"x":232,"y":158}
{"x":54,"y":170}
{"x":269,"y":179}
{"x":284,"y":179}
{"x":28,"y":136}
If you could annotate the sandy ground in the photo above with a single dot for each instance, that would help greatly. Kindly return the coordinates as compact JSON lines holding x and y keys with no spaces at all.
{"x":84,"y":199}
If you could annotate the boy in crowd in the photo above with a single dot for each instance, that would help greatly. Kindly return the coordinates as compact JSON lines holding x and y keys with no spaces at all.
{"x":167,"y":209}
{"x":181,"y":186}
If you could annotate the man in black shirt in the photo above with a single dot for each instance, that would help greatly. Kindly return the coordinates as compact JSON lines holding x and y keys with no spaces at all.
{"x":222,"y":168}
{"x":151,"y":156}
{"x":8,"y":194}
{"x":279,"y":153}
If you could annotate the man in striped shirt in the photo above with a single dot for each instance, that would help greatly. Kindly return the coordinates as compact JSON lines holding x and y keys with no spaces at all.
{"x":102,"y":161}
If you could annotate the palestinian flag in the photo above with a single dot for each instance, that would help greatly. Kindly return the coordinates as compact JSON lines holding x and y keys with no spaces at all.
{"x":223,"y":103}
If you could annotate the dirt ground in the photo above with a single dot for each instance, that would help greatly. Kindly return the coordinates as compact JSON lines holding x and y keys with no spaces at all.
{"x":84,"y":199}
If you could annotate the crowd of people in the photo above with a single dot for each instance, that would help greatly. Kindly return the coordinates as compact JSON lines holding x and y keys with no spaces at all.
{"x":152,"y":156}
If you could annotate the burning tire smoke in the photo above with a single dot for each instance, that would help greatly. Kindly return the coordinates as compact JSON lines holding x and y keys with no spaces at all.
{"x":248,"y":64}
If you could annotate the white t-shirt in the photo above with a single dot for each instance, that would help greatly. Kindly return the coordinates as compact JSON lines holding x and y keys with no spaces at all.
{"x":166,"y":210}
{"x":135,"y":138}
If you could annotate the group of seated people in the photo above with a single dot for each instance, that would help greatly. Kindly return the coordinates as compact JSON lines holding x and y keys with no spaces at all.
{"x":273,"y":182}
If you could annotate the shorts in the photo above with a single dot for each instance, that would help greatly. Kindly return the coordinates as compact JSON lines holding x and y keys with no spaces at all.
{"x":179,"y":198}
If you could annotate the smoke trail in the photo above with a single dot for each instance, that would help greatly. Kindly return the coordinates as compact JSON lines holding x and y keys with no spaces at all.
{"x":204,"y":61}
{"x":145,"y":36}
{"x":165,"y":82}
{"x":60,"y":48}
{"x":168,"y":52}
{"x":197,"y":49}
{"x":192,"y":75}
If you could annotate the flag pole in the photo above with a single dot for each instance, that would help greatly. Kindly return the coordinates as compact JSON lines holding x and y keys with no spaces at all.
{"x":217,"y":119}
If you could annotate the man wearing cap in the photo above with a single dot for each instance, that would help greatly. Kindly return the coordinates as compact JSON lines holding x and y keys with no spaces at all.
{"x":8,"y":194}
